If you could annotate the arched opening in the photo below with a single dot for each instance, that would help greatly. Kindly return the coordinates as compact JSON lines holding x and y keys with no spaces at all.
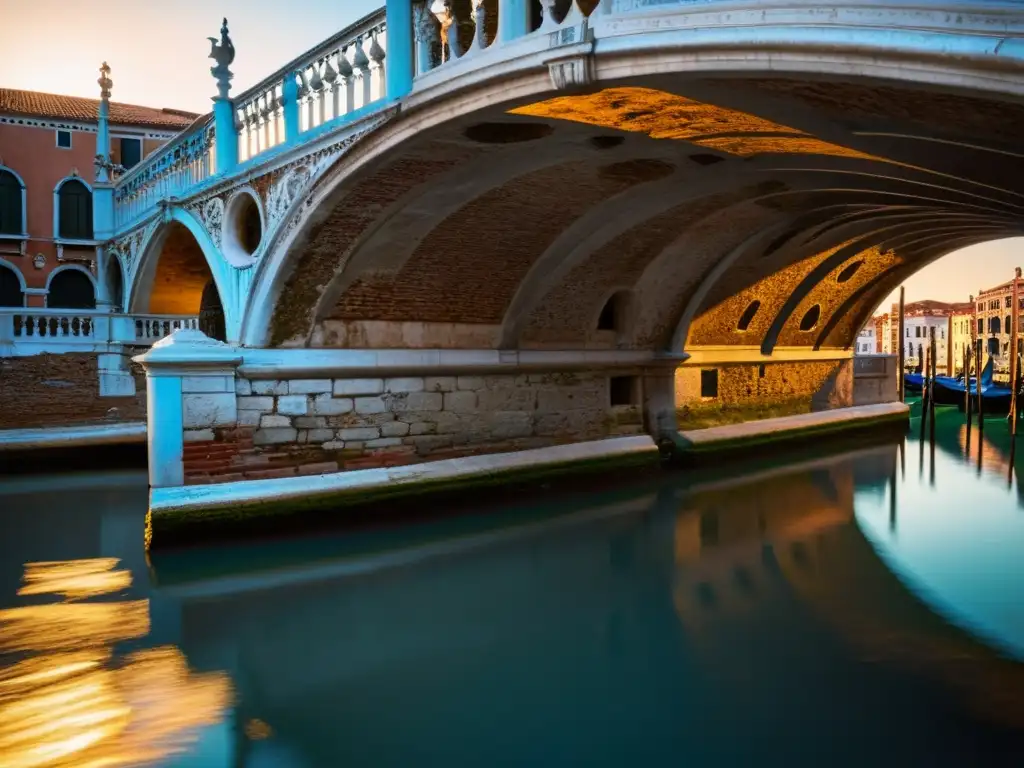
{"x":115,"y":283}
{"x":12,"y":211}
{"x":180,"y":282}
{"x":74,"y":201}
{"x":613,"y":313}
{"x":243,"y":229}
{"x":11,"y":294}
{"x":71,"y":289}
{"x":748,"y":315}
{"x":810,"y":318}
{"x":848,"y":272}
{"x":211,"y":313}
{"x":994,"y":325}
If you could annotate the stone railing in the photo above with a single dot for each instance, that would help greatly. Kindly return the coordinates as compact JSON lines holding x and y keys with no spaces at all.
{"x":340,"y":76}
{"x":30,"y":331}
{"x":171,"y":171}
{"x":875,"y":379}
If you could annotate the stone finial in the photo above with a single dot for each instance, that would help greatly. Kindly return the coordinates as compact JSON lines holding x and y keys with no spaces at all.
{"x":1017,"y":272}
{"x":105,"y":83}
{"x":223,"y":54}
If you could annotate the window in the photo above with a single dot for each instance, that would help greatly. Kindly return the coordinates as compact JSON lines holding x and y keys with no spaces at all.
{"x":917,"y":331}
{"x":71,"y":289}
{"x":11,"y":210}
{"x":907,"y":334}
{"x":942,"y":333}
{"x":75,"y":214}
{"x":1009,"y":301}
{"x":64,"y":139}
{"x":620,"y":390}
{"x":1008,"y":324}
{"x":10,"y":289}
{"x":981,"y":325}
{"x":709,"y":382}
{"x":131,"y":152}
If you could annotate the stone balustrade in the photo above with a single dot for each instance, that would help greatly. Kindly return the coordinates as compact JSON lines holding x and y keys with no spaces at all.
{"x":30,"y":331}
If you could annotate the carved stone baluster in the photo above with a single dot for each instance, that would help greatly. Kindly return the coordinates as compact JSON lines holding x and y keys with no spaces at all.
{"x":254,"y":126}
{"x":548,"y":18}
{"x":304,"y":93}
{"x":348,"y":76}
{"x":316,"y":92}
{"x":275,"y":116}
{"x":377,"y":56}
{"x":428,"y":38}
{"x":265,"y":119}
{"x":480,"y":31}
{"x":362,"y":65}
{"x":331,"y":79}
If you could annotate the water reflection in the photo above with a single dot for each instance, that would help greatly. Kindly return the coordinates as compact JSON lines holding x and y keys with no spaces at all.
{"x":843,"y":610}
{"x":67,"y":700}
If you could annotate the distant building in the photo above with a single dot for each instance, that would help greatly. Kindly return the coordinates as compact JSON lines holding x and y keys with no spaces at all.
{"x":48,"y":251}
{"x":867,"y":340}
{"x":919,"y":318}
{"x":995,"y":320}
{"x":961,"y":333}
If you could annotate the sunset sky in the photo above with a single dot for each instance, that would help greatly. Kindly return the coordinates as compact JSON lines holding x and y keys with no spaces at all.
{"x":159,"y":58}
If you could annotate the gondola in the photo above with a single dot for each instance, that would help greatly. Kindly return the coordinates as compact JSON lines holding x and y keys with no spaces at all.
{"x":950,"y":391}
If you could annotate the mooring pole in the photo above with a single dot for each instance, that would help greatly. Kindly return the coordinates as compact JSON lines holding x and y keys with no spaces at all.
{"x":967,"y":397}
{"x":1014,"y":370}
{"x":931,"y":386}
{"x":981,"y":403}
{"x":901,"y":382}
{"x":924,"y":395}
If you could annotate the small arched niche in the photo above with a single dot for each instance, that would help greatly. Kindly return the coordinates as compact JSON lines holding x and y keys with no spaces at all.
{"x":615,"y":313}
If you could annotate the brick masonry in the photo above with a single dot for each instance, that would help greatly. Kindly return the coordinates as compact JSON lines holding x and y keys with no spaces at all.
{"x":63,"y":390}
{"x":313,"y":426}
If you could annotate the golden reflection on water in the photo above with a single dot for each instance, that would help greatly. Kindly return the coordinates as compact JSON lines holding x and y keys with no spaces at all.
{"x":64,"y":699}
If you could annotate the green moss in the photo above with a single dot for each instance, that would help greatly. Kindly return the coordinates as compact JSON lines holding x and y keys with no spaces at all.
{"x":717,"y":415}
{"x":178,"y":526}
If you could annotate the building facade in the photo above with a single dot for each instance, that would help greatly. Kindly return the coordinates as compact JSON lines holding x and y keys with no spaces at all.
{"x":994,"y":320}
{"x":867,"y":340}
{"x":919,"y":318}
{"x":49,"y":253}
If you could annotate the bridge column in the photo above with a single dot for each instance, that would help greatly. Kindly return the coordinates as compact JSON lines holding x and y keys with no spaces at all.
{"x":290,"y":106}
{"x":190,"y":398}
{"x":659,"y":397}
{"x":225,"y":133}
{"x":513,"y":19}
{"x":400,"y":48}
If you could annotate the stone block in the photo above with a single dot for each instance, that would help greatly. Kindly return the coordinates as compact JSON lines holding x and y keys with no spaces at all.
{"x":249,"y":418}
{"x":569,"y":399}
{"x":417,"y":401}
{"x":197,"y":435}
{"x":440,"y":383}
{"x":243,"y":387}
{"x":274,"y":436}
{"x":423,"y":428}
{"x":274,"y":420}
{"x":407,"y":384}
{"x":384,"y":442}
{"x":506,"y":398}
{"x":218,"y":383}
{"x":116,"y":384}
{"x":209,"y":410}
{"x":326,"y":405}
{"x":427,"y":443}
{"x":470,"y":382}
{"x":505,"y":425}
{"x":309,"y":386}
{"x":255,"y":404}
{"x":369,"y":405}
{"x":293,"y":405}
{"x":359,"y":433}
{"x":394,"y":429}
{"x":264,"y":387}
{"x":348,"y":387}
{"x":460,"y":402}
{"x":333,"y":445}
{"x":320,"y":436}
{"x":309,"y":422}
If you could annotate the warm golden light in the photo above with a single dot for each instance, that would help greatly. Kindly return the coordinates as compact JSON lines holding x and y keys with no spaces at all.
{"x":663,"y":115}
{"x":73,"y":704}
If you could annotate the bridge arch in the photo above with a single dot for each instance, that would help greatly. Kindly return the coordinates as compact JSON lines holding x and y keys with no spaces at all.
{"x":837,"y":188}
{"x":178,"y":260}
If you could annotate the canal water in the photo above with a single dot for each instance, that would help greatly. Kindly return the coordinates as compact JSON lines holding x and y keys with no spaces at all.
{"x":844,"y":608}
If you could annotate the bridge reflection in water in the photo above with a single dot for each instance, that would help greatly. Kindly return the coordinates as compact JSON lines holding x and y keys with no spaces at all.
{"x":781,"y":613}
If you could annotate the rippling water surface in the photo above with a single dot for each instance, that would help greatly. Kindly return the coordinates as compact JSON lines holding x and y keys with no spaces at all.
{"x":859,"y":608}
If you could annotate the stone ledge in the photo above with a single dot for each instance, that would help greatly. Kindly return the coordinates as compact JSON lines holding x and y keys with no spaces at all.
{"x":175,"y":511}
{"x":68,"y":437}
{"x":732,"y":437}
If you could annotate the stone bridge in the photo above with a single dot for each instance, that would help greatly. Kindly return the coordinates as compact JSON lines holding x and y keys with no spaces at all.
{"x":609,"y":209}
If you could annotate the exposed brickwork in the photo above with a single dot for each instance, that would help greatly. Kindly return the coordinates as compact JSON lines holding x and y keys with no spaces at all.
{"x":312,"y":426}
{"x":62,"y":390}
{"x":331,"y":244}
{"x":568,"y":312}
{"x":469,"y":267}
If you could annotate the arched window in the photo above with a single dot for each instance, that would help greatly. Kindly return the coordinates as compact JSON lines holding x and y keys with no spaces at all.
{"x":75,"y":211}
{"x":1008,"y":324}
{"x":11,"y":294}
{"x":993,"y":325}
{"x":12,"y":211}
{"x":71,"y":289}
{"x":115,"y":283}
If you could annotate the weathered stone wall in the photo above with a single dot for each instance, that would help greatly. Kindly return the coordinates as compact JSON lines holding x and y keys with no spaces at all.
{"x":63,"y":390}
{"x":310,"y":426}
{"x":796,"y":386}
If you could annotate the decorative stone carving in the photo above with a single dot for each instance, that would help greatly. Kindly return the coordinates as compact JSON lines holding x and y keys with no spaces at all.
{"x":211,"y":213}
{"x":223,"y":54}
{"x":39,"y":261}
{"x":571,"y":72}
{"x":129,"y":247}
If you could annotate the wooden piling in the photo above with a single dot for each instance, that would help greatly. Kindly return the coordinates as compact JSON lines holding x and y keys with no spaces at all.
{"x":900,"y":360}
{"x":1014,"y":370}
{"x":931,"y":385}
{"x":924,"y":396}
{"x":981,"y":403}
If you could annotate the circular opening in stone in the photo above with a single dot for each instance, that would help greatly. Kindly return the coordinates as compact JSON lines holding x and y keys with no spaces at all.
{"x":507,"y":133}
{"x":810,"y":318}
{"x":606,"y":142}
{"x":849,"y":271}
{"x":248,"y":226}
{"x":705,"y":159}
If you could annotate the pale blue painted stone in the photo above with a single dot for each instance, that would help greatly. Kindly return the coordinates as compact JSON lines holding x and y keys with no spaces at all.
{"x":293,"y":405}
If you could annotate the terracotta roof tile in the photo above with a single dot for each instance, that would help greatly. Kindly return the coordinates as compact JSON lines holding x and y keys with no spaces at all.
{"x":49,"y":105}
